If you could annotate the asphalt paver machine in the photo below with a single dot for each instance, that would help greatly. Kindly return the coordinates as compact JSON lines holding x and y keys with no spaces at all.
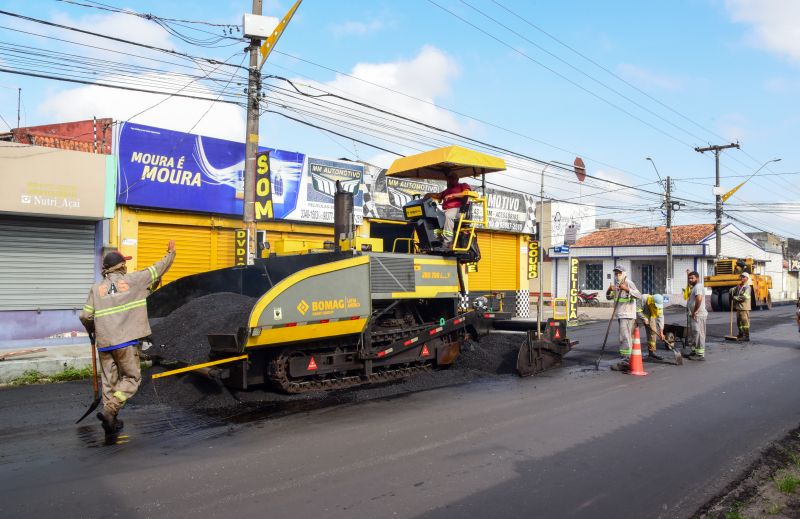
{"x":344,"y":317}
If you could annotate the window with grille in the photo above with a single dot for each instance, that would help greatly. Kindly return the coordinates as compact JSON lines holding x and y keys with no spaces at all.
{"x":593,"y":276}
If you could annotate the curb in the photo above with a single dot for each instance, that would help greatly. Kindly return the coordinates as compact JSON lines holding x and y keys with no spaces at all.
{"x":11,"y":369}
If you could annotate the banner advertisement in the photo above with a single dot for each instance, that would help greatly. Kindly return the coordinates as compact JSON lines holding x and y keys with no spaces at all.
{"x":319,"y":185}
{"x":172,"y":170}
{"x":166,"y":169}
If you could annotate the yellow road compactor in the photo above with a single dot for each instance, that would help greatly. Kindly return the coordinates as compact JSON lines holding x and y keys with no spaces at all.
{"x":343,"y":317}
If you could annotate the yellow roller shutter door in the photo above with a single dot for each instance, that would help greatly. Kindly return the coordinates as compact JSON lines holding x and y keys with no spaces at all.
{"x":481,"y":281}
{"x":194,"y":246}
{"x":505,"y":262}
{"x":498,"y":268}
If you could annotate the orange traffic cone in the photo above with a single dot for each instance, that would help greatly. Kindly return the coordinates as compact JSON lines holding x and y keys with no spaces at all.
{"x":637,"y":367}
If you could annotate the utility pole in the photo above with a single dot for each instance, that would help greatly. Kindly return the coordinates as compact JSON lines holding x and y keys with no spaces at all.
{"x":540,"y":223}
{"x":251,"y":142}
{"x":19,"y":103}
{"x":718,"y":223}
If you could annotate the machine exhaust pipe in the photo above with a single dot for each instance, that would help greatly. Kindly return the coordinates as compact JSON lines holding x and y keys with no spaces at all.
{"x":343,"y":219}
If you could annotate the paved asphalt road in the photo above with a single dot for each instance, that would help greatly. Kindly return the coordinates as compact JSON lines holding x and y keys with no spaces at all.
{"x":572,"y":443}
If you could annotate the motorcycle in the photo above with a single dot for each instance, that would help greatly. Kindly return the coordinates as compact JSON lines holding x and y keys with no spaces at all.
{"x":587,"y":298}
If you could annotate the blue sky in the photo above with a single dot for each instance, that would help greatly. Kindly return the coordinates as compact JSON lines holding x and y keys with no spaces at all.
{"x":715,"y":71}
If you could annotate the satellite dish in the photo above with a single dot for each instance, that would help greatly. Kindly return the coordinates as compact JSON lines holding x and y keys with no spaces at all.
{"x":580,"y":169}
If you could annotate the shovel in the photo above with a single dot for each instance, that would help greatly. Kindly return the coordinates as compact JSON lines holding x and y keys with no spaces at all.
{"x":732,"y":337}
{"x":671,"y":347}
{"x":95,"y":386}
{"x":608,"y":329}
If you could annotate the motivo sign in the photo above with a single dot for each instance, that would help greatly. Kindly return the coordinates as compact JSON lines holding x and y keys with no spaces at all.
{"x":533,"y":260}
{"x":49,"y":181}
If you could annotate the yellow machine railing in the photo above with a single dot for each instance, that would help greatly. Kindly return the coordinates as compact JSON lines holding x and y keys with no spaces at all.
{"x":559,"y":303}
{"x":466,"y":223}
{"x":413,"y":247}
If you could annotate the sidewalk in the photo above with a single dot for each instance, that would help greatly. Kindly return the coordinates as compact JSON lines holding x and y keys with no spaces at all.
{"x":54,"y":360}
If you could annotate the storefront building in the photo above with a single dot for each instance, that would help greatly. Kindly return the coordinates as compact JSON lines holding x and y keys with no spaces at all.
{"x":52,"y":210}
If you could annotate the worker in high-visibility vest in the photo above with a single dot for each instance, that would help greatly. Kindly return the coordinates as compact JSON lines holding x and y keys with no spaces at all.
{"x":740,"y":299}
{"x":650,"y":313}
{"x":624,"y":293}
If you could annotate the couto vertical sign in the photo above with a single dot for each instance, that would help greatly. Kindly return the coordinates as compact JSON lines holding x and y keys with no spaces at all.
{"x":263,"y":198}
{"x":533,"y":260}
{"x":573,"y":289}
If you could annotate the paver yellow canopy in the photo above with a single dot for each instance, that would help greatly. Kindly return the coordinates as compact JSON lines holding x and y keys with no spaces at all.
{"x":435,"y":164}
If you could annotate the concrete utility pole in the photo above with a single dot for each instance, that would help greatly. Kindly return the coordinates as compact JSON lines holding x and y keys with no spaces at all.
{"x":718,"y":223}
{"x":251,"y":142}
{"x":669,"y":207}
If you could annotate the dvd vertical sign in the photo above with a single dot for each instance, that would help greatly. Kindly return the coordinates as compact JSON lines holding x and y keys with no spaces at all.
{"x":263,"y":198}
{"x":240,"y":247}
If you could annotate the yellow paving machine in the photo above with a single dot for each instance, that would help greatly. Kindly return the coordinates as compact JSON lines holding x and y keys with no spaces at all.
{"x":338,"y":318}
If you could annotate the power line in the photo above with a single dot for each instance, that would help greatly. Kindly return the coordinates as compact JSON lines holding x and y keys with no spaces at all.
{"x":562,"y":76}
{"x":112,"y":38}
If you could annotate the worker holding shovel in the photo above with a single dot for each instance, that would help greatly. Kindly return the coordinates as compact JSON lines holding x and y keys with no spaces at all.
{"x":115,"y":315}
{"x":740,"y":299}
{"x":624,"y":294}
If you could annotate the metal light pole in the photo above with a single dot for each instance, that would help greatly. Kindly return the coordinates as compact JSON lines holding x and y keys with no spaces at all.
{"x":540,"y":305}
{"x":668,"y":207}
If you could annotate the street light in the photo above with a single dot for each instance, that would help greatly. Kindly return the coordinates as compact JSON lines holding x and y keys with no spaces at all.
{"x":730,"y":193}
{"x":668,"y":228}
{"x":655,"y":168}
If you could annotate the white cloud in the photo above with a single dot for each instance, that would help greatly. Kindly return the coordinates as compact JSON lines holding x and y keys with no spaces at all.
{"x":732,"y":127}
{"x":648,"y":79}
{"x":224,"y":121}
{"x":427,"y":78}
{"x":781,"y":85}
{"x":118,"y":25}
{"x":356,"y":28}
{"x":773,"y":24}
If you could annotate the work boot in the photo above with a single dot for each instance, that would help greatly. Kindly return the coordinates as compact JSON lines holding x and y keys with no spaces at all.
{"x":107,"y":420}
{"x":623,"y":365}
{"x":745,"y":338}
{"x":696,"y":356}
{"x":654,"y":356}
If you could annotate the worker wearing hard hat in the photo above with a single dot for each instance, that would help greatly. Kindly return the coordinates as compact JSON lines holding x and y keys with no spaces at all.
{"x":115,"y":314}
{"x":650,"y":313}
{"x":740,"y":299}
{"x":624,"y":294}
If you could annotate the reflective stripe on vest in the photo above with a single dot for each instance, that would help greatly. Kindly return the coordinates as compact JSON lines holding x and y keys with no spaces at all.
{"x":121,"y":308}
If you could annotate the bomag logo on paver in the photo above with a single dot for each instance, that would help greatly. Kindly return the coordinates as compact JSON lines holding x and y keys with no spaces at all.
{"x":330,"y":306}
{"x":302,"y":307}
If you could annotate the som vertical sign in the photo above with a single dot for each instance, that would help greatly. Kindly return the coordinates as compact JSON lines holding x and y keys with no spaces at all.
{"x":263,"y":198}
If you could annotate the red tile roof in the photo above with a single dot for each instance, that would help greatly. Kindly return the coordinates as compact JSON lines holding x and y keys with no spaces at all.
{"x":681,"y":234}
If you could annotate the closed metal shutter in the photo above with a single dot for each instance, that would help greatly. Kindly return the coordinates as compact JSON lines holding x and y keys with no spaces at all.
{"x":505,"y":262}
{"x":226,"y":256}
{"x":45,"y":264}
{"x":481,"y":281}
{"x":193,"y":246}
{"x":498,"y":268}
